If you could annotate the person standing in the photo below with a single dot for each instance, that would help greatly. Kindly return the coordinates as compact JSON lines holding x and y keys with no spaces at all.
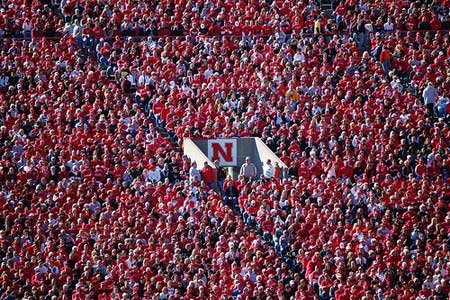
{"x":441,"y":106}
{"x":194,"y":173}
{"x":385,"y":59}
{"x":277,"y":171}
{"x":268,"y":170}
{"x":248,"y":169}
{"x":430,"y":95}
{"x":221,"y":174}
{"x":167,"y":173}
{"x":230,"y":195}
{"x":208,"y":175}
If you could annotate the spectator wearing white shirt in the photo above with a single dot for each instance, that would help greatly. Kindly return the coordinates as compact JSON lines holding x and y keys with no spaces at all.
{"x":389,"y":25}
{"x":151,"y":43}
{"x":208,"y":73}
{"x":316,"y":108}
{"x":248,"y":169}
{"x":76,"y":29}
{"x":26,"y":28}
{"x":299,"y":56}
{"x":268,"y":170}
{"x":430,"y":95}
{"x":441,"y":107}
{"x":194,"y":173}
{"x":144,"y":78}
{"x":396,"y":85}
{"x":154,"y":174}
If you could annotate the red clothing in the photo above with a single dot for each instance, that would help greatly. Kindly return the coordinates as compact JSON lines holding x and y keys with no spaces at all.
{"x":208,"y":174}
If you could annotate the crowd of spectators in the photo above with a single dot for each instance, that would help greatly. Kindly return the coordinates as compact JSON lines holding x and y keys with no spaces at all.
{"x":96,"y":19}
{"x":97,"y":203}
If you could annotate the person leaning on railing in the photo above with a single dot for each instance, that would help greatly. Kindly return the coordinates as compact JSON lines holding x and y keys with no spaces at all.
{"x":248,"y":170}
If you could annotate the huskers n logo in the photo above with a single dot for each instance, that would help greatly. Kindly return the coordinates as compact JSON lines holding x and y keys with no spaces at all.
{"x":225,"y":150}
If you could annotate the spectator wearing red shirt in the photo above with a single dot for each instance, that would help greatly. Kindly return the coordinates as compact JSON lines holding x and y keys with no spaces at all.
{"x":208,"y":174}
{"x":385,"y":59}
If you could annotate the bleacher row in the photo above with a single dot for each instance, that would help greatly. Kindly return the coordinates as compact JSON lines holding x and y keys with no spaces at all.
{"x":96,"y":199}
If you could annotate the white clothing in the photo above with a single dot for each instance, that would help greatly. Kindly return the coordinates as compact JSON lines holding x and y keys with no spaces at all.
{"x":268,"y":171}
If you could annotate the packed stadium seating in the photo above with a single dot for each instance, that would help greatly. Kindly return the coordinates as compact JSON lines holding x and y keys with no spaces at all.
{"x":97,"y":96}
